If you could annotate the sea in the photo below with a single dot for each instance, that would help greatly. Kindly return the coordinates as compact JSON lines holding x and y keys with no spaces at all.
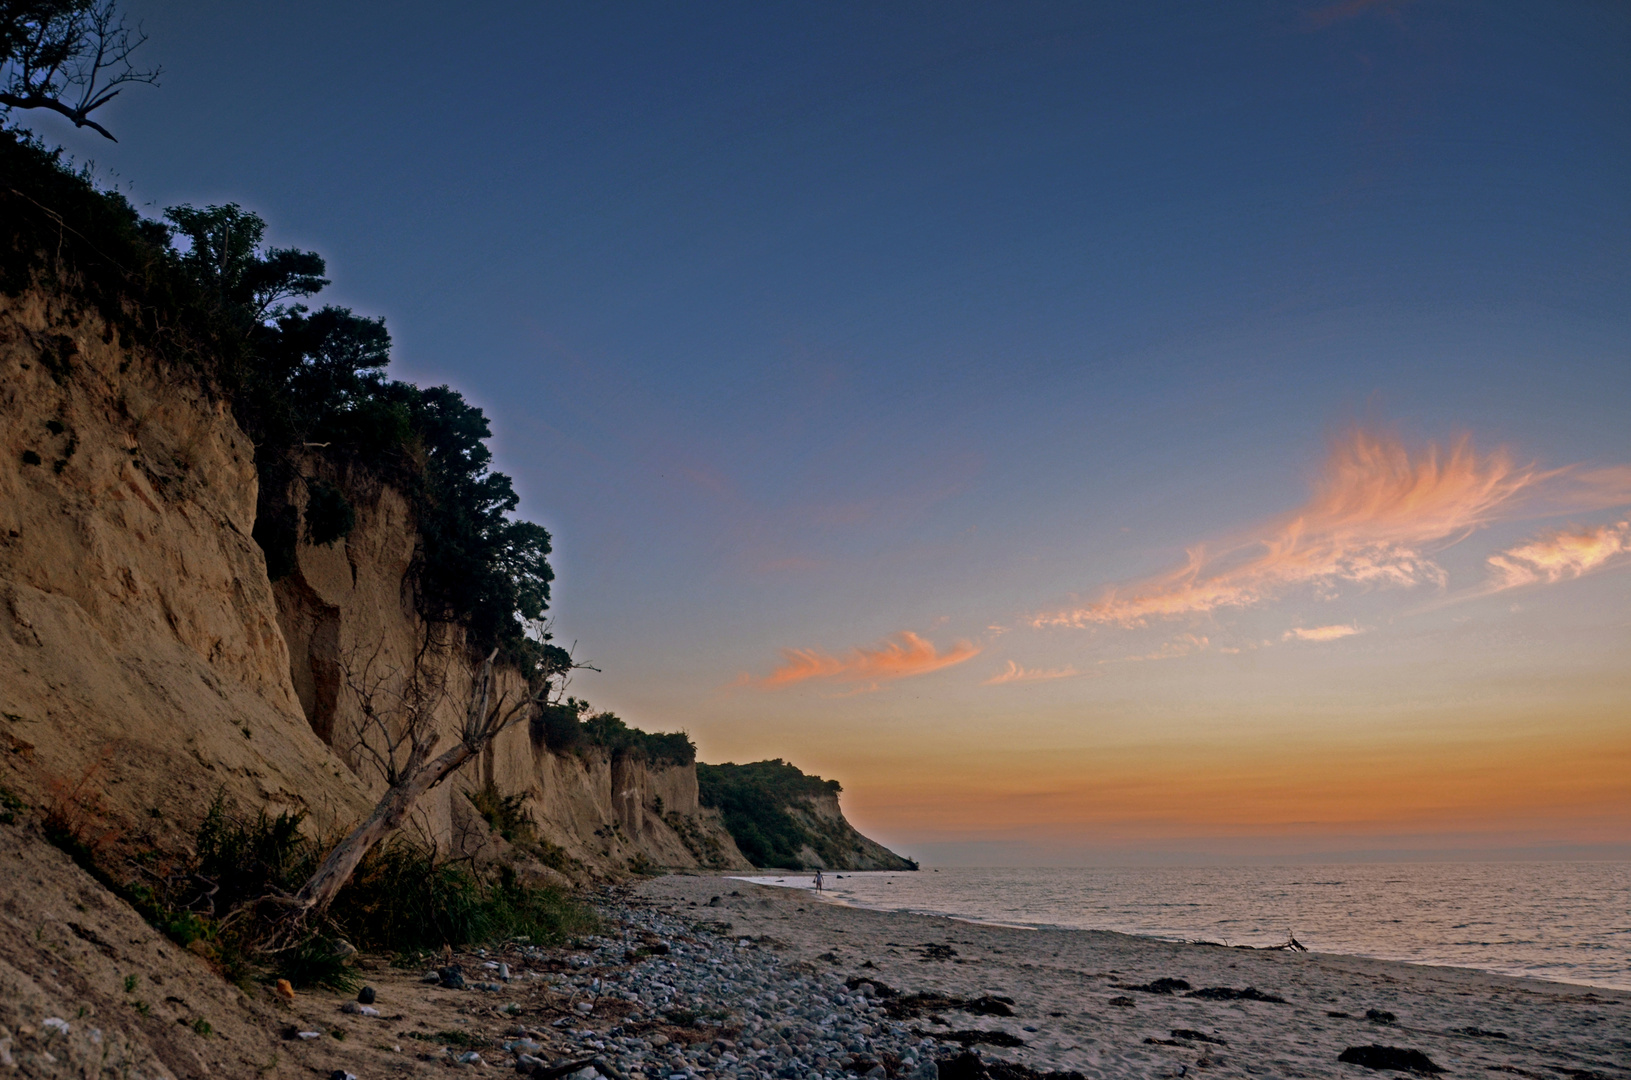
{"x":1563,"y":921}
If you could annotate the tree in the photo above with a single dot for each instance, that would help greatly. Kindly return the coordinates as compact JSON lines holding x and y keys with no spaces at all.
{"x":68,"y":56}
{"x":224,"y":257}
{"x":402,"y":721}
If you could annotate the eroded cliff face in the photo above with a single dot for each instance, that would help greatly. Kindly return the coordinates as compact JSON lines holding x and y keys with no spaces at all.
{"x":821,"y":814}
{"x":146,"y":660}
{"x":347,"y":614}
{"x":140,"y":653}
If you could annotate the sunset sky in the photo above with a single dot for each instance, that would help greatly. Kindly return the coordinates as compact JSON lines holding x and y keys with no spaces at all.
{"x":1089,"y":432}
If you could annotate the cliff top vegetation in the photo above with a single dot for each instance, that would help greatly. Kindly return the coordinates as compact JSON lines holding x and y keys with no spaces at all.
{"x":754,"y":800}
{"x":202,"y":289}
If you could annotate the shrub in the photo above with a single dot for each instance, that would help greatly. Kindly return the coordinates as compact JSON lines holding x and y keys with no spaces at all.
{"x":753,"y":799}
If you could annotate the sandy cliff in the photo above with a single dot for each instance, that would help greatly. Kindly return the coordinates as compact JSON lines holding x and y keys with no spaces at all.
{"x":845,"y":848}
{"x":146,"y":653}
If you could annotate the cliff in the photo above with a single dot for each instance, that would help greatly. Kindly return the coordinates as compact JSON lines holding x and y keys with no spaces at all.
{"x":782,"y":817}
{"x":346,"y":613}
{"x":149,"y":663}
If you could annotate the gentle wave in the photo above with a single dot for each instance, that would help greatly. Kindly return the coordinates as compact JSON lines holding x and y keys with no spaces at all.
{"x":1567,"y":922}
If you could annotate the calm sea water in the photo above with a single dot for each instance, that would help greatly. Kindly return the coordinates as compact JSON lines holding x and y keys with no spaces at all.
{"x":1569,"y":922}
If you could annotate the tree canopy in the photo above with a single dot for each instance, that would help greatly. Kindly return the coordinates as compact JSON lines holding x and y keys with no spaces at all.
{"x":313,"y":384}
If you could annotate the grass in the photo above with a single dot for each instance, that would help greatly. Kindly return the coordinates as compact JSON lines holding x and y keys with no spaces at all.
{"x":401,"y":900}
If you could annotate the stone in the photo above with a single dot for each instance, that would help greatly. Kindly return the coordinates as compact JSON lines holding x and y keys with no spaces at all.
{"x":366,"y":995}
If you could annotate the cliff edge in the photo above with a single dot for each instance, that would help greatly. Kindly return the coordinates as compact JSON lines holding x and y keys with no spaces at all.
{"x":781,"y":817}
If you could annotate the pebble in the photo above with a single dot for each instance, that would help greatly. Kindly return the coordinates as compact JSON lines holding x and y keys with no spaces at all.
{"x":795,"y":1025}
{"x":366,"y":995}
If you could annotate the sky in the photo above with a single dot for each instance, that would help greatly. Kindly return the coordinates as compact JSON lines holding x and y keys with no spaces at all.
{"x":1089,"y":432}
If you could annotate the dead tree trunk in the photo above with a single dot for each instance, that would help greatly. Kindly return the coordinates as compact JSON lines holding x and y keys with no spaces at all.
{"x":388,"y":815}
{"x":483,"y":722}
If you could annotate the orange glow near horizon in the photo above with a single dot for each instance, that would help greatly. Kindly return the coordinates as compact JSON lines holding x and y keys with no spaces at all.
{"x":1276,"y":685}
{"x":1533,"y":785}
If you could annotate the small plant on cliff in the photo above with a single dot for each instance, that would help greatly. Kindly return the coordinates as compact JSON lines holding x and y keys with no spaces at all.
{"x":506,"y":814}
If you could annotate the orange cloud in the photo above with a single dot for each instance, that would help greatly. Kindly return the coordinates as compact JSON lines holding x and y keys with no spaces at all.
{"x":1016,"y":673}
{"x":1321,"y":633}
{"x":1560,"y":555}
{"x":1377,"y":515}
{"x":900,"y":657}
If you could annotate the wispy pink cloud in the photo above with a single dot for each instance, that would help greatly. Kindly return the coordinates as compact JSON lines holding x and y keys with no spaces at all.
{"x":1378,"y":514}
{"x":1015,"y":673}
{"x":1182,"y":645}
{"x":902,"y":656}
{"x":1560,"y":555}
{"x":1321,"y":633}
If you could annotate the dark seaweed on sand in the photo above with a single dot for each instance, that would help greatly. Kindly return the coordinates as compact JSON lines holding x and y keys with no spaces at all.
{"x":1229,"y":993}
{"x":1389,"y":1057}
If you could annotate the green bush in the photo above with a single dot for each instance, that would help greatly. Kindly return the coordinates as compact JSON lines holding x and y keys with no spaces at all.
{"x":572,"y":727}
{"x":753,"y":800}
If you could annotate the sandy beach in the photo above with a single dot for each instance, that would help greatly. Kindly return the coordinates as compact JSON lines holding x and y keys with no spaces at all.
{"x":1074,"y":1010}
{"x":714,"y":978}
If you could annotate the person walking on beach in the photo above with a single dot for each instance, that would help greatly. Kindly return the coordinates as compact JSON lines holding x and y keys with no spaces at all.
{"x":818,"y":881}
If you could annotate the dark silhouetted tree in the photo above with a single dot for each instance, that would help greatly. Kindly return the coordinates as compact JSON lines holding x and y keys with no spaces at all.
{"x":70,"y":57}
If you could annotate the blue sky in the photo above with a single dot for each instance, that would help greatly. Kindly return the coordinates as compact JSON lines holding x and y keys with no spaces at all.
{"x":807,"y":326}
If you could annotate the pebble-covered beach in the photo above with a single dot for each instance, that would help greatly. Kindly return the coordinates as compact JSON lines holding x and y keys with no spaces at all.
{"x":708,"y":978}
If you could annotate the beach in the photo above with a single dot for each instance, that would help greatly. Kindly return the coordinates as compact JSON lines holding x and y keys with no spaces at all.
{"x":712,"y":977}
{"x":1075,"y":1007}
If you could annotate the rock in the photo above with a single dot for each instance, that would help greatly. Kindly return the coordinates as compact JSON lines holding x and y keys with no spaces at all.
{"x":430,"y":977}
{"x":585,"y":1007}
{"x":365,"y":996}
{"x":308,"y":1035}
{"x":341,"y":1074}
{"x":877,"y":1072}
{"x":56,"y":1024}
{"x":926,"y":1070}
{"x":504,"y":972}
{"x":284,"y":990}
{"x":1389,"y":1057}
{"x":469,"y":1057}
{"x":1124,"y":1002}
{"x":1379,"y":1016}
{"x":452,"y":977}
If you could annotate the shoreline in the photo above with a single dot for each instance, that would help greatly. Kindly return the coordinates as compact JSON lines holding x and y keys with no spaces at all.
{"x":708,"y":977}
{"x":1082,"y":999}
{"x":1509,"y":967}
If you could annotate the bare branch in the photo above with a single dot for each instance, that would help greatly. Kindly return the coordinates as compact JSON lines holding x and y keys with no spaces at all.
{"x":70,"y":57}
